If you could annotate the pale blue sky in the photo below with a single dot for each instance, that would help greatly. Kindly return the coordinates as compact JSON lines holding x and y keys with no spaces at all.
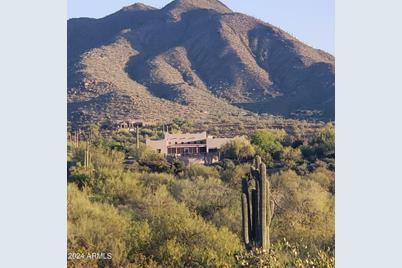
{"x":311,"y":21}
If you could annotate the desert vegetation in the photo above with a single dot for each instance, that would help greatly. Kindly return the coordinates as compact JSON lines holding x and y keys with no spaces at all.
{"x":147,"y":211}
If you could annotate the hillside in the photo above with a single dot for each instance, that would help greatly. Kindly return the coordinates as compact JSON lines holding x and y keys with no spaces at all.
{"x":195,"y":60}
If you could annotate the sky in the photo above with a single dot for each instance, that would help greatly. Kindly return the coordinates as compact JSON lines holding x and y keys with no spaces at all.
{"x":311,"y":21}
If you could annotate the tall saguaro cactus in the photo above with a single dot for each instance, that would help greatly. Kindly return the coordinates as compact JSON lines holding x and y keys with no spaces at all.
{"x":137,"y":137}
{"x":87,"y":157}
{"x":257,"y":207}
{"x":245,"y":223}
{"x":263,"y":206}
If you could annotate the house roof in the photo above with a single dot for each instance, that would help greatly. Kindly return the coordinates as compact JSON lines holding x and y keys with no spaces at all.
{"x":217,"y":142}
{"x":185,"y":137}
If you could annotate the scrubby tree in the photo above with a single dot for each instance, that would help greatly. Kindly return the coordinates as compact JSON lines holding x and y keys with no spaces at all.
{"x":324,"y":177}
{"x":290,"y":157}
{"x":149,"y":158}
{"x":232,"y":173}
{"x":305,"y":210}
{"x":238,"y":149}
{"x":195,"y":170}
{"x":326,"y":137}
{"x":269,"y":141}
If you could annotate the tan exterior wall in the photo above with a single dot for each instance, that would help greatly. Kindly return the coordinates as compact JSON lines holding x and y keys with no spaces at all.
{"x":187,"y":140}
{"x":159,"y":145}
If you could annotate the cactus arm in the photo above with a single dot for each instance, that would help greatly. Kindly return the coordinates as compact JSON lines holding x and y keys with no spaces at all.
{"x":245,"y":220}
{"x":254,"y":220}
{"x":257,"y":162}
{"x":263,"y":206}
{"x":272,"y":207}
{"x":250,"y":213}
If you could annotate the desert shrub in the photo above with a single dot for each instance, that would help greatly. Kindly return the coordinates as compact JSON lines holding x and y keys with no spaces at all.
{"x":142,"y":153}
{"x":153,"y":181}
{"x":80,"y":176}
{"x":181,"y":237}
{"x":110,"y":143}
{"x":269,"y":141}
{"x":228,"y":164}
{"x":76,"y":153}
{"x":229,"y":217}
{"x":178,"y":167}
{"x":324,"y":177}
{"x":148,"y":158}
{"x":325,"y":139}
{"x":285,"y":254}
{"x":238,"y":149}
{"x":232,"y":174}
{"x":106,"y":159}
{"x":96,"y":228}
{"x":117,"y":187}
{"x":290,"y":157}
{"x":157,"y":230}
{"x":195,"y":170}
{"x":308,"y":152}
{"x":204,"y":196}
{"x":101,"y":161}
{"x":148,"y":132}
{"x":304,"y":211}
{"x":107,"y":185}
{"x":265,"y":156}
{"x":180,"y":125}
{"x":321,"y":145}
{"x":153,"y":226}
{"x":94,"y":133}
{"x":302,"y":169}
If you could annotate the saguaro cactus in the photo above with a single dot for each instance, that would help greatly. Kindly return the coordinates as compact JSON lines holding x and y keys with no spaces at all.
{"x":137,"y":138}
{"x":87,"y":157}
{"x":245,"y":223}
{"x":263,"y":206}
{"x":257,"y":212}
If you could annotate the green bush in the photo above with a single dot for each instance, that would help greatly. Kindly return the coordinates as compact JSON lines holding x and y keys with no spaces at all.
{"x":321,"y":145}
{"x":232,"y":174}
{"x":325,"y":139}
{"x":269,"y":141}
{"x":179,"y":236}
{"x":153,"y":161}
{"x":324,"y":177}
{"x":204,"y":196}
{"x":285,"y":254}
{"x":238,"y":149}
{"x":290,"y":157}
{"x":305,"y":211}
{"x":100,"y":228}
{"x":195,"y":170}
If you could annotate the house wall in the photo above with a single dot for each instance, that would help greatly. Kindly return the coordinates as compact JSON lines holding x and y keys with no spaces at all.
{"x":158,"y":145}
{"x":190,"y":144}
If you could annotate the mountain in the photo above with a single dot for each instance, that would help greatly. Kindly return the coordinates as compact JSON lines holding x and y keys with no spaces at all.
{"x":194,"y":59}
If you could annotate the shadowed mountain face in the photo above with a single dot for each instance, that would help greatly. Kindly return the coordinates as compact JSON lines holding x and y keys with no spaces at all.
{"x":194,"y":59}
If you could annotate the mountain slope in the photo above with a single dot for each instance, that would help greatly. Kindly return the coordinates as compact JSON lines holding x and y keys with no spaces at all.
{"x":194,"y":59}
